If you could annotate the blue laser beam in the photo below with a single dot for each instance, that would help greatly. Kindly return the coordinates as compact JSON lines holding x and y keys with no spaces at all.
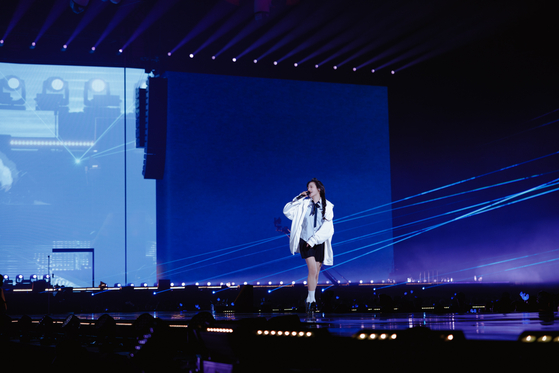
{"x":455,"y":183}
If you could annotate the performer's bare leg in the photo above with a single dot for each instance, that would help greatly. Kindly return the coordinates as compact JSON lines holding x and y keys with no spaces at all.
{"x":314,"y":268}
{"x":312,"y":281}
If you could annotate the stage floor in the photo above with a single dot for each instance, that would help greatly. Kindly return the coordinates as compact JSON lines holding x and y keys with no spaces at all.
{"x":475,"y":326}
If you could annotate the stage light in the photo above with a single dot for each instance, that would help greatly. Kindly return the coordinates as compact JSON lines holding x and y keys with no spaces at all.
{"x":213,"y":57}
{"x":255,"y":61}
{"x":120,"y":51}
{"x":64,"y":47}
{"x":54,"y":95}
{"x":2,"y":43}
{"x":78,"y":6}
{"x":234,"y":59}
{"x":316,"y":66}
{"x":33,"y":278}
{"x":261,"y":9}
{"x":169,"y":54}
{"x":32,"y":45}
{"x":12,"y":92}
{"x":118,"y":285}
{"x":335,"y":67}
{"x":46,"y":278}
{"x":373,"y":71}
{"x":101,"y":94}
{"x":92,"y":50}
{"x":191,"y":55}
{"x":19,"y":279}
{"x":392,"y":72}
{"x":354,"y":69}
{"x":275,"y":63}
{"x":295,"y":64}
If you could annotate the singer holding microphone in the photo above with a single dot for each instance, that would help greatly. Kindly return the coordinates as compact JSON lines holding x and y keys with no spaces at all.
{"x":311,"y":216}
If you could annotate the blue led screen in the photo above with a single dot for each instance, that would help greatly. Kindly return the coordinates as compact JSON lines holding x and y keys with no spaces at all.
{"x":238,"y":149}
{"x":63,"y":173}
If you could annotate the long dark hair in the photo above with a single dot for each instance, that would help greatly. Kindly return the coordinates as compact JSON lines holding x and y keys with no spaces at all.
{"x":320,"y":187}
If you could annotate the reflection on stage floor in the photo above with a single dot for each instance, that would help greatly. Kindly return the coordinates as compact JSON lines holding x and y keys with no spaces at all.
{"x":475,"y":326}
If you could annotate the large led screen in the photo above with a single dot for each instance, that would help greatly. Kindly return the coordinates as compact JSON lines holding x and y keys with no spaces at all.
{"x":239,"y":149}
{"x":73,"y":203}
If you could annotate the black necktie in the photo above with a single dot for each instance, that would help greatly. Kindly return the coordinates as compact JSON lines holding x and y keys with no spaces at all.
{"x":315,"y":207}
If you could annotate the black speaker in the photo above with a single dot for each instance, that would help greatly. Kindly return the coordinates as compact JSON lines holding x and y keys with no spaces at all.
{"x":163,"y":284}
{"x":140,"y":117}
{"x":156,"y":128}
{"x":245,"y":299}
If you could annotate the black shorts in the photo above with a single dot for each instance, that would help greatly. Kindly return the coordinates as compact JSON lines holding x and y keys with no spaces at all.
{"x":306,"y":252}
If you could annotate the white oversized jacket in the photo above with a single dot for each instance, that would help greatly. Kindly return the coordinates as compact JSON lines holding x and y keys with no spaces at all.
{"x":295,"y":211}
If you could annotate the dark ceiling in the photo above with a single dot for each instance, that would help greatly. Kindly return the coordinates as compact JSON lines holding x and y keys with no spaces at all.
{"x":467,"y":73}
{"x":408,"y":36}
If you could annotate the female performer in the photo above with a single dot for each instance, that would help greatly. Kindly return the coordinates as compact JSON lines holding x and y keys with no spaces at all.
{"x":311,"y":232}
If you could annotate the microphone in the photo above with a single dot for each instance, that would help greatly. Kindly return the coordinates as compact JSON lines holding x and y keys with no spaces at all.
{"x":303,"y":195}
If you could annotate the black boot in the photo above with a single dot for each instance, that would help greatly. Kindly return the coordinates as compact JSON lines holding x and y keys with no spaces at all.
{"x":311,"y":308}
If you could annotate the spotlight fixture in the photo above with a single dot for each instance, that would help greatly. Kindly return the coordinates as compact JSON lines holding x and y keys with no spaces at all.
{"x":373,"y":71}
{"x":92,"y":50}
{"x":316,"y":66}
{"x":2,"y":43}
{"x":78,"y":6}
{"x":255,"y":61}
{"x":120,"y":51}
{"x":234,"y":59}
{"x":12,"y":93}
{"x":32,"y":45}
{"x":355,"y":69}
{"x":19,"y":279}
{"x":64,"y":48}
{"x":169,"y":54}
{"x":392,"y":72}
{"x":191,"y":55}
{"x":55,"y":94}
{"x":275,"y":63}
{"x":335,"y":67}
{"x":213,"y":57}
{"x":100,"y":94}
{"x":295,"y":64}
{"x":261,"y":9}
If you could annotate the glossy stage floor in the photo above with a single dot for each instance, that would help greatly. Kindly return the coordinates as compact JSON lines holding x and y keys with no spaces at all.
{"x":261,"y":328}
{"x":474,"y":326}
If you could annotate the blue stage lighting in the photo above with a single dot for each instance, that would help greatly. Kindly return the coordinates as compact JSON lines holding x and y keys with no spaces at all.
{"x":97,"y":93}
{"x":54,"y":95}
{"x":12,"y":92}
